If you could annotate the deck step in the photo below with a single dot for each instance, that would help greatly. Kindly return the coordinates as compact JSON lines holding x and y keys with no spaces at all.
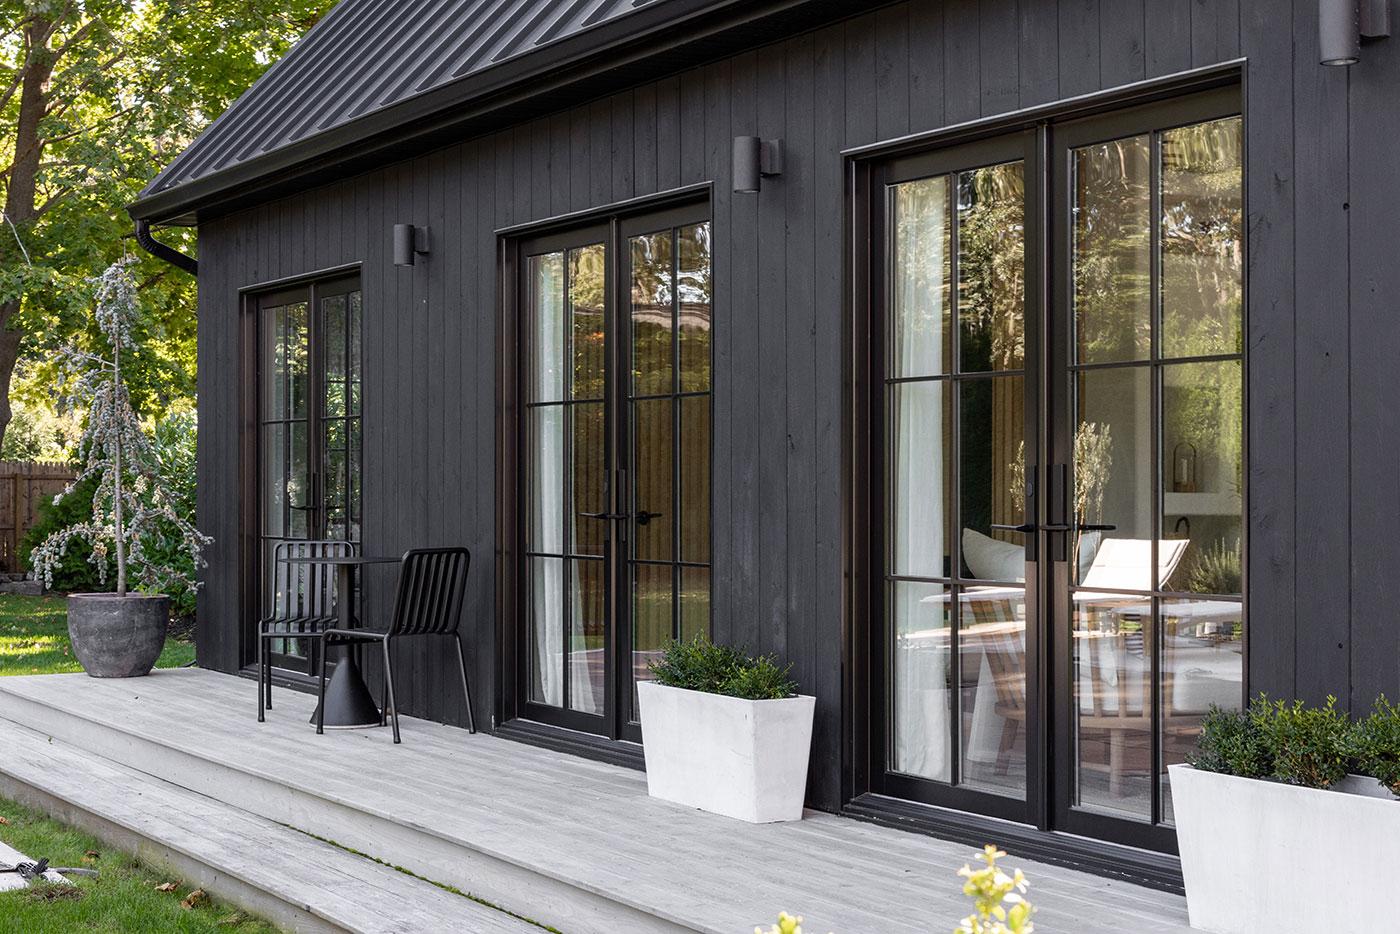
{"x":288,"y":877}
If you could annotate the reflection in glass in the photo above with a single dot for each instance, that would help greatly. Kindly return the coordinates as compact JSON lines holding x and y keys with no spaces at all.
{"x":695,"y":289}
{"x":546,"y":638}
{"x":920,"y":511}
{"x":1113,"y":704}
{"x":653,"y":472}
{"x":921,"y":707}
{"x":695,"y":478}
{"x":588,"y":324}
{"x":920,"y":320}
{"x":992,"y":267}
{"x":695,"y":602}
{"x":1202,"y":666}
{"x":588,"y":475}
{"x":1202,"y":235}
{"x":1203,"y":419}
{"x":991,"y":476}
{"x":992,"y":658}
{"x":653,"y":605}
{"x":1112,"y":467}
{"x":586,"y":636}
{"x":652,"y":296}
{"x":544,"y":427}
{"x":1112,"y":251}
{"x":546,"y":277}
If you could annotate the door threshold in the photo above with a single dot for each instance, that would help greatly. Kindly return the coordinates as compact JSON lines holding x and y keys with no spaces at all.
{"x":574,"y":742}
{"x":1098,"y":857}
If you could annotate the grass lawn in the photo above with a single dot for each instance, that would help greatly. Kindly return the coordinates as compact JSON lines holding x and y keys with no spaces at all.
{"x":123,"y":898}
{"x":34,"y":638}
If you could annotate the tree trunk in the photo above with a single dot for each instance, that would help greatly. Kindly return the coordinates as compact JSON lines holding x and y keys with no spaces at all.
{"x":21,"y":192}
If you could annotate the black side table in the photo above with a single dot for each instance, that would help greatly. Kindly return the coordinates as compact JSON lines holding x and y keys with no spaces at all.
{"x":349,"y":704}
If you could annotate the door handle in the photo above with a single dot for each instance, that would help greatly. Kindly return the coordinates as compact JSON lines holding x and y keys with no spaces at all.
{"x":1097,"y":528}
{"x":1027,"y":527}
{"x":643,"y":517}
{"x":603,"y":515}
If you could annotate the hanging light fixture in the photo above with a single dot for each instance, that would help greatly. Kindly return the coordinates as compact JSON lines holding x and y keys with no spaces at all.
{"x":1342,"y":24}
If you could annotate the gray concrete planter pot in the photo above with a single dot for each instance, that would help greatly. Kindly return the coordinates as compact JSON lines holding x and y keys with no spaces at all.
{"x":118,"y":637}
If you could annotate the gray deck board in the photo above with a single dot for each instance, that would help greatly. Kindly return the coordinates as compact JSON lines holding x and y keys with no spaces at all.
{"x":587,"y":823}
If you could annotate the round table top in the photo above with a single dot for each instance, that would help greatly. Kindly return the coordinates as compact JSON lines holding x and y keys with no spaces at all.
{"x":344,"y":559}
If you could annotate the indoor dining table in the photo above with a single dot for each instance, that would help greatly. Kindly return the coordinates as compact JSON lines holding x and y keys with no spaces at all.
{"x":349,"y":704}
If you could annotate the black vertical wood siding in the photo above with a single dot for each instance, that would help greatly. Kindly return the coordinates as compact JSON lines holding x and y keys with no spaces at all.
{"x":1324,"y":333}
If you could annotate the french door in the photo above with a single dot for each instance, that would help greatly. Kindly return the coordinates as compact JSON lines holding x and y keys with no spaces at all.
{"x":309,"y":426}
{"x":1053,"y":438}
{"x":614,"y":446}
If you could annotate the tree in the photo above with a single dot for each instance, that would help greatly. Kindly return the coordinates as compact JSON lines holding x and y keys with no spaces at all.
{"x":95,"y":97}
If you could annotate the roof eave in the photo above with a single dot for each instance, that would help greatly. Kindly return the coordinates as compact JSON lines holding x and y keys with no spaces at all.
{"x":650,"y":35}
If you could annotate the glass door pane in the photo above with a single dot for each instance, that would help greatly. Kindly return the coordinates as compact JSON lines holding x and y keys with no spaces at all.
{"x":669,"y":302}
{"x":1156,"y":457}
{"x":566,"y":478}
{"x":955,"y":454}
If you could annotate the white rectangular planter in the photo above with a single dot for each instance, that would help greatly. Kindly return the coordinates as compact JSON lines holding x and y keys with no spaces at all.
{"x":1262,"y":855}
{"x":740,"y":758}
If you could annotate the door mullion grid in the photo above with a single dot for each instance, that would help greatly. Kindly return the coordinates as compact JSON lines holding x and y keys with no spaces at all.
{"x":954,"y":471}
{"x":1154,"y":650}
{"x":566,"y":481}
{"x":675,"y":435}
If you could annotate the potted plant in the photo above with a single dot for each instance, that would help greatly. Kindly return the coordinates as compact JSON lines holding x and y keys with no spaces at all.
{"x":725,"y":733}
{"x":1271,"y":825}
{"x":118,"y":634}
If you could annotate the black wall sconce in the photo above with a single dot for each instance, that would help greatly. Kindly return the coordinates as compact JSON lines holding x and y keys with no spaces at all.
{"x":1342,"y":24}
{"x":754,"y":160}
{"x":410,"y":242}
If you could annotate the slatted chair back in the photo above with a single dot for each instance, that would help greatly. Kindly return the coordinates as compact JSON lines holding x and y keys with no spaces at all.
{"x":432,"y":586}
{"x":305,"y":591}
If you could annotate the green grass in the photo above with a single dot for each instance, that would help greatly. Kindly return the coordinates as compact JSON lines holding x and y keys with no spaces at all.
{"x":123,"y":898}
{"x":34,"y":638}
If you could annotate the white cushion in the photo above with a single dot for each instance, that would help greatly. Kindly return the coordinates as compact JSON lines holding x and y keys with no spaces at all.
{"x":992,"y":560}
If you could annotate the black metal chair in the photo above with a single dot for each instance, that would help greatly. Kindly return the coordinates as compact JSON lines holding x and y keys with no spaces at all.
{"x":303,"y":603}
{"x":432,"y":586}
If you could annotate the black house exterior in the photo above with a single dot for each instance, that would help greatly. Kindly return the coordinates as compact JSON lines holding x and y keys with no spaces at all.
{"x":1039,"y":397}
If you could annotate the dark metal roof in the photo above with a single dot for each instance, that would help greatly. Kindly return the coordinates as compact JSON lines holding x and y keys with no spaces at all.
{"x":367,"y":55}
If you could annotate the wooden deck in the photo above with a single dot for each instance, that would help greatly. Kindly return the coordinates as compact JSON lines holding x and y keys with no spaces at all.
{"x":569,"y":842}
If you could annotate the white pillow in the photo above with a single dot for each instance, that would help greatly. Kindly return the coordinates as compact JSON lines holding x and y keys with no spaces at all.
{"x":992,"y":560}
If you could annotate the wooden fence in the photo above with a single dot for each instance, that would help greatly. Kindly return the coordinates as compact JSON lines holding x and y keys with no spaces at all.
{"x":24,"y":487}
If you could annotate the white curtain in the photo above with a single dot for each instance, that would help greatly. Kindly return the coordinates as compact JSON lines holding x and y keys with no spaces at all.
{"x":547,"y":469}
{"x":922,"y":694}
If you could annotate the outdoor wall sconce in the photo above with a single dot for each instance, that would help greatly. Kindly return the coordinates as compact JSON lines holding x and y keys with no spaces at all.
{"x":754,"y":160}
{"x":410,"y":242}
{"x":1342,"y":24}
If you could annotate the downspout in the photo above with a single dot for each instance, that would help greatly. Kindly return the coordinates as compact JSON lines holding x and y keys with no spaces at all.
{"x":160,"y":251}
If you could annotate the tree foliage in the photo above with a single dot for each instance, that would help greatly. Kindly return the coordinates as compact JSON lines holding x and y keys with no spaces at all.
{"x":95,"y":97}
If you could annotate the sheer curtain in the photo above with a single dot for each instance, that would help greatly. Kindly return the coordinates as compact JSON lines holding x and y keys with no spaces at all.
{"x":919,"y":322}
{"x":547,"y":453}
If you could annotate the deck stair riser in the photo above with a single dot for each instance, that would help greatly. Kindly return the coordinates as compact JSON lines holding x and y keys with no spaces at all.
{"x":392,"y":839}
{"x":301,"y":883}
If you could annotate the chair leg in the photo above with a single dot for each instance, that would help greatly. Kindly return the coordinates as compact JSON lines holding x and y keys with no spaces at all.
{"x":262,"y":674}
{"x":389,"y":684}
{"x":466,"y":690}
{"x":321,"y":690}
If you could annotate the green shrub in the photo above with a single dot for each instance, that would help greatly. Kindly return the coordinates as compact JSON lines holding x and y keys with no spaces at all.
{"x":1234,"y":742}
{"x":759,"y":679}
{"x":75,"y":573}
{"x":1311,"y":746}
{"x":698,"y":664}
{"x":1376,"y":745}
{"x":999,"y":901}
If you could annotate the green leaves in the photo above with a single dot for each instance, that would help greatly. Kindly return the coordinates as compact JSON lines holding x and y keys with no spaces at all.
{"x":1375,"y":743}
{"x":699,"y":665}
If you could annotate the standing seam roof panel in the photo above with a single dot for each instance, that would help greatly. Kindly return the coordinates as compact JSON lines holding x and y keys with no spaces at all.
{"x":366,"y":55}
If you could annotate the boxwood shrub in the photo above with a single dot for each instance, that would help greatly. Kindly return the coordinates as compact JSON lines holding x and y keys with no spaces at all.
{"x":697,"y":664}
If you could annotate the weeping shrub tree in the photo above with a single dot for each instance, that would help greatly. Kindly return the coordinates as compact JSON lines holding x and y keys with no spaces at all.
{"x":134,"y":512}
